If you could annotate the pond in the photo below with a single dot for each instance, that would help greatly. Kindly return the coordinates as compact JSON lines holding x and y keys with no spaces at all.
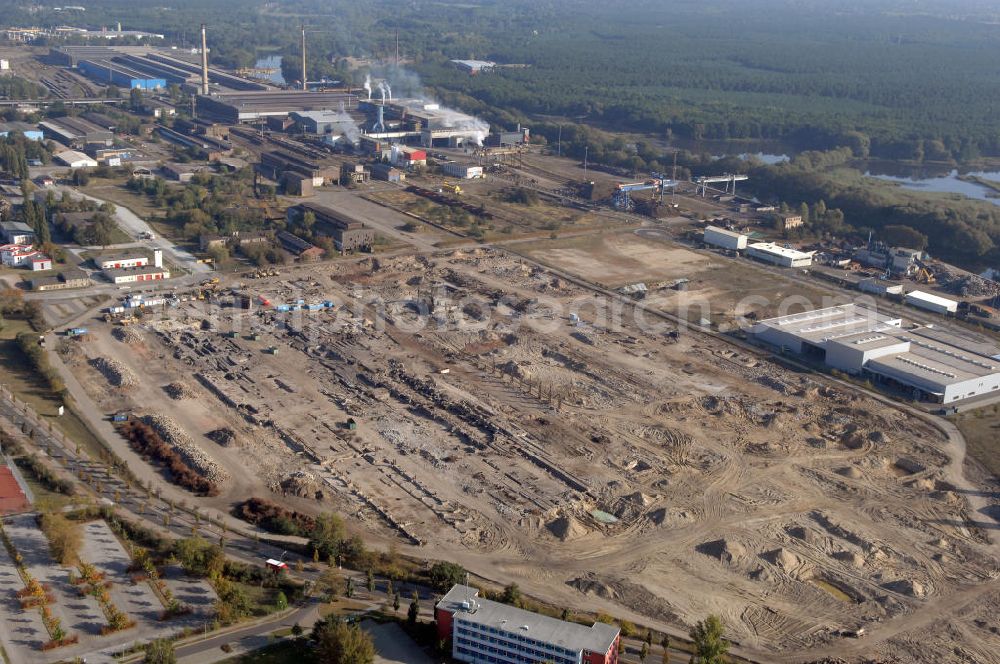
{"x":271,"y":62}
{"x":941,"y":182}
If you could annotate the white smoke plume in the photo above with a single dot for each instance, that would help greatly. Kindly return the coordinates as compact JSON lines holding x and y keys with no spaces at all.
{"x":409,"y":86}
{"x":368,"y":86}
{"x":344,"y":127}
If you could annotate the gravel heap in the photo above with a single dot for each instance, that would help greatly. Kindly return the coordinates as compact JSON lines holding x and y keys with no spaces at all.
{"x":224,"y":436}
{"x":177,"y":390}
{"x":174,"y":435}
{"x":127,"y":335}
{"x":117,"y":373}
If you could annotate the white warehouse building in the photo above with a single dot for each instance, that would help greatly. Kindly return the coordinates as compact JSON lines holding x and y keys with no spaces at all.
{"x":807,"y":333}
{"x":921,"y":362}
{"x":769,"y":252}
{"x":720,"y":237}
{"x":931,"y":302}
{"x":463,"y":171}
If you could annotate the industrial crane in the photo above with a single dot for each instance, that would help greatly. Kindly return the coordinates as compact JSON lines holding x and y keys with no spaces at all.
{"x":622,"y":198}
{"x":730,"y":179}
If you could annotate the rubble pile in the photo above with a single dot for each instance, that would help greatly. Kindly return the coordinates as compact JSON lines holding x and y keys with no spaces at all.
{"x":115,"y":371}
{"x":175,"y":436}
{"x":974,"y":286}
{"x":177,"y":391}
{"x":224,"y":436}
{"x":127,"y":335}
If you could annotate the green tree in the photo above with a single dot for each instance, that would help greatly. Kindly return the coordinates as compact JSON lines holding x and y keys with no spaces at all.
{"x":511,"y":595}
{"x":328,"y":535}
{"x":395,"y":601}
{"x":665,"y":642}
{"x":328,"y":583}
{"x":709,"y":645}
{"x":644,"y":653}
{"x":296,"y":630}
{"x":160,"y":651}
{"x":903,"y":236}
{"x":349,"y":588}
{"x":136,"y":100}
{"x":444,"y":575}
{"x":339,"y":643}
{"x":370,"y":581}
{"x":281,"y":601}
{"x":414,"y":611}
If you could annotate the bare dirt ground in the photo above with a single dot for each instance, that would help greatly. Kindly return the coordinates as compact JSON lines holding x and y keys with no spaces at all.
{"x":717,"y":288}
{"x":608,"y":465}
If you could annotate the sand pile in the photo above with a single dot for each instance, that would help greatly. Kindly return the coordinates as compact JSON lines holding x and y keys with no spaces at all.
{"x":802,"y":533}
{"x":783,"y":558}
{"x":907,"y":587}
{"x":723,"y":549}
{"x":566,"y":528}
{"x":852,"y":558}
{"x":852,"y":472}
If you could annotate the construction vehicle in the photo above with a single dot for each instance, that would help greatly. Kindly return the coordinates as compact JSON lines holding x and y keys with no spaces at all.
{"x":924,"y":276}
{"x":452,"y":188}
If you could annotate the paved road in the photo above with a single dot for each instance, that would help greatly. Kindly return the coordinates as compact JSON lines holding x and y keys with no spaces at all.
{"x":247,"y":638}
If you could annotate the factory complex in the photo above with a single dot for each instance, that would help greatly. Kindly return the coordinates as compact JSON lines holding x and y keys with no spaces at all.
{"x":921,"y":362}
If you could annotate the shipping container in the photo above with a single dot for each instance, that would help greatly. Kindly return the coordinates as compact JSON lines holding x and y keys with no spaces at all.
{"x":119,"y":417}
{"x":76,"y":331}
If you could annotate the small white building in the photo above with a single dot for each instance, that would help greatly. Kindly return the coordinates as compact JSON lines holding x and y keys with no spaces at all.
{"x":463,"y":171}
{"x":41,"y":262}
{"x":931,"y":302}
{"x":769,"y":252}
{"x":121,"y":261}
{"x":4,"y":65}
{"x":880,"y":287}
{"x":75,"y":159}
{"x":136,"y":274}
{"x":720,"y":237}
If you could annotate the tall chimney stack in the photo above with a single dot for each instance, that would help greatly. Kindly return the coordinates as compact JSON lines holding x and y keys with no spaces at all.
{"x":304,"y":85}
{"x":204,"y":61}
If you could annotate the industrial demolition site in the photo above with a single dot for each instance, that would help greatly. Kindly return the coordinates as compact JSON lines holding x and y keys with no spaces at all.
{"x":475,"y":407}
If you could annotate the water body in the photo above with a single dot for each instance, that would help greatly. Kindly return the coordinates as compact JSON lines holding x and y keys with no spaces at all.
{"x":272,"y":62}
{"x":765,"y":157}
{"x":941,"y":182}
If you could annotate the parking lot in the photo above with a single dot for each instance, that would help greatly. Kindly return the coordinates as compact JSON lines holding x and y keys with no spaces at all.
{"x":22,"y":630}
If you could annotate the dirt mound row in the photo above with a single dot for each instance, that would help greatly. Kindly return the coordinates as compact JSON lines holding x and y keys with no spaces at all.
{"x":175,"y":436}
{"x":115,"y":372}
